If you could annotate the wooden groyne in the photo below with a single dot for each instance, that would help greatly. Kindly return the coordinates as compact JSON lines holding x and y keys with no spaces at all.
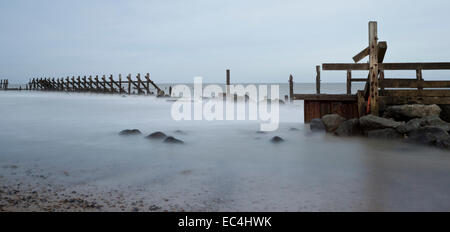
{"x":379,"y":91}
{"x":96,"y":84}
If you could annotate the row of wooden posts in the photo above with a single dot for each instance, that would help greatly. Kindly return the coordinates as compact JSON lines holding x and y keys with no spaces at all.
{"x":4,"y":84}
{"x":95,"y":84}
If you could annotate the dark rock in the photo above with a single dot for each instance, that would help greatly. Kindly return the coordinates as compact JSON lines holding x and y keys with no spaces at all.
{"x":294,"y":129}
{"x":317,"y":125}
{"x":431,"y":121}
{"x":349,"y":128}
{"x":277,"y":139}
{"x":445,"y":113}
{"x":261,"y":132}
{"x":130,"y":132}
{"x":332,"y":122}
{"x":157,"y":135}
{"x":386,"y":134}
{"x":430,"y":136}
{"x":371,"y":122}
{"x":172,"y":140}
{"x":407,"y":112}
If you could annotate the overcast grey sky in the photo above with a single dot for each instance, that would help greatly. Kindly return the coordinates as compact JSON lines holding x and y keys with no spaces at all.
{"x":260,"y":41}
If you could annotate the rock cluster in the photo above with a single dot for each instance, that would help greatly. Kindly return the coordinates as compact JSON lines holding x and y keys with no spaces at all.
{"x":418,"y":124}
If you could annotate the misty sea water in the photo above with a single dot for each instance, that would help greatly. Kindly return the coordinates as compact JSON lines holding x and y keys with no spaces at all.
{"x":71,"y":140}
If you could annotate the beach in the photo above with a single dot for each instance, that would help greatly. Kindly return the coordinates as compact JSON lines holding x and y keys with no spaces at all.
{"x":63,"y":152}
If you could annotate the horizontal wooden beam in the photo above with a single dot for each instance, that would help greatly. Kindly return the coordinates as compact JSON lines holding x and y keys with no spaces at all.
{"x":387,"y":66}
{"x":325,"y":97}
{"x":415,"y":93}
{"x":413,"y":83}
{"x":359,"y":79}
{"x":389,"y":100}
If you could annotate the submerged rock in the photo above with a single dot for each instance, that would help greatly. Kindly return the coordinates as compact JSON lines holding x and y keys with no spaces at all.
{"x":172,"y":140}
{"x":407,"y":112}
{"x":180,"y":132}
{"x":294,"y":129}
{"x":157,"y":135}
{"x":386,"y":134}
{"x":371,"y":122}
{"x":317,"y":125}
{"x":332,"y":122}
{"x":277,"y":139}
{"x":430,"y":136}
{"x":349,"y":128}
{"x":130,"y":132}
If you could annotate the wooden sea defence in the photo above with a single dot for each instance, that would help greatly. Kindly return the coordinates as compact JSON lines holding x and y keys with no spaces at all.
{"x":96,"y":84}
{"x":379,"y":91}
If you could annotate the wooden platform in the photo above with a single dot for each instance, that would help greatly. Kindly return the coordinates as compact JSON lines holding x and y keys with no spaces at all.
{"x":318,"y":105}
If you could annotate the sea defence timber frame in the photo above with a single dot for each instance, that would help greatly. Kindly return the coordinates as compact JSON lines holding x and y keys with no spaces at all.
{"x":97,"y":85}
{"x":379,"y":92}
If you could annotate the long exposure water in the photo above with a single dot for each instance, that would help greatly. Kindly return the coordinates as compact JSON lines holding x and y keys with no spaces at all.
{"x":71,"y":139}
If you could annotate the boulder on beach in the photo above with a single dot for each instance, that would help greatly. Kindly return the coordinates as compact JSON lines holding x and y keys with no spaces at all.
{"x":371,"y":122}
{"x":130,"y":132}
{"x":386,"y":134}
{"x":317,"y":125}
{"x":407,"y":112}
{"x":349,"y":128}
{"x":431,"y":121}
{"x":157,"y":135}
{"x":277,"y":139}
{"x":172,"y":140}
{"x":431,"y":136}
{"x":332,"y":121}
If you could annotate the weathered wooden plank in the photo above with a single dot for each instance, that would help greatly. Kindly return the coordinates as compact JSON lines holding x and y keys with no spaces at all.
{"x":361,"y":55}
{"x":291,"y":88}
{"x":325,"y":97}
{"x":387,"y":66}
{"x":400,"y":100}
{"x":349,"y":81}
{"x":373,"y":67}
{"x":413,"y":83}
{"x":318,"y":79}
{"x":415,"y":93}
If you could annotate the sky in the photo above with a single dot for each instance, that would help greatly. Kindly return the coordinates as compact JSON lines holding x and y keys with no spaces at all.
{"x":259,"y":41}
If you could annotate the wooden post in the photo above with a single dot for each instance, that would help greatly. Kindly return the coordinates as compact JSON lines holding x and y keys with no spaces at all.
{"x":228,"y":82}
{"x":79,"y":83}
{"x":419,"y":80}
{"x":91,"y":87}
{"x":373,"y":67}
{"x":147,"y":78}
{"x":138,"y":77}
{"x":129,"y":83}
{"x":104,"y":83}
{"x":170,"y":91}
{"x":291,"y":88}
{"x":349,"y":82}
{"x":120,"y":83}
{"x":1,"y":84}
{"x":318,"y":79}
{"x":85,"y":86}
{"x":112,"y":82}
{"x":97,"y":86}
{"x":381,"y":79}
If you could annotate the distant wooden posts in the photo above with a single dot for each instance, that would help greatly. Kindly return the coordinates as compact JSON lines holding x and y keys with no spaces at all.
{"x":291,"y":88}
{"x":228,"y":81}
{"x":90,"y":84}
{"x":4,"y":84}
{"x":318,"y":79}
